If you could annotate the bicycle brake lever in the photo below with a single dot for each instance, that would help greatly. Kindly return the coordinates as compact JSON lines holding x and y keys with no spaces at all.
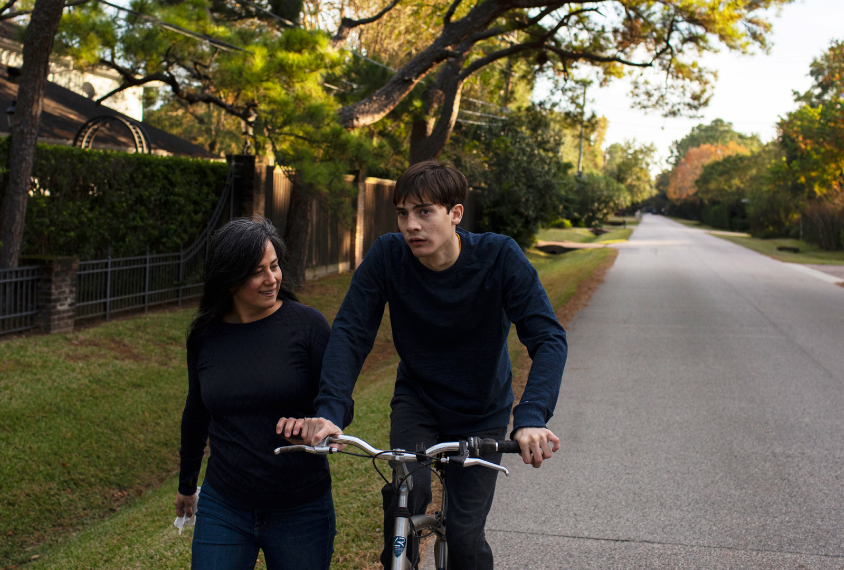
{"x":471,"y":461}
{"x":291,"y":448}
{"x":322,"y":447}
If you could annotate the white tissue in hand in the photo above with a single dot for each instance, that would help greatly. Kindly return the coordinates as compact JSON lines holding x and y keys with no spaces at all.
{"x":185,"y":522}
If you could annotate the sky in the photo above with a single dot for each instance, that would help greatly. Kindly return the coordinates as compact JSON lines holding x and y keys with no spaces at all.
{"x":751,"y":92}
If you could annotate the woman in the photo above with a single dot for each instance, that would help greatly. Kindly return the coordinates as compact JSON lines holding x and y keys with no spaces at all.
{"x":254,"y":354}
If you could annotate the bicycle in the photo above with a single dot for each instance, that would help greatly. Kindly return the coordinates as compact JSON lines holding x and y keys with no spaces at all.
{"x":409,"y":527}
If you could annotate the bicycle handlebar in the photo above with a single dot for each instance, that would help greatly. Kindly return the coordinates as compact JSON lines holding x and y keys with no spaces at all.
{"x":473,"y":446}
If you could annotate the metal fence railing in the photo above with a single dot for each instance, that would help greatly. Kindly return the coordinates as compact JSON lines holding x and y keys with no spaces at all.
{"x":113,"y":285}
{"x":18,"y":298}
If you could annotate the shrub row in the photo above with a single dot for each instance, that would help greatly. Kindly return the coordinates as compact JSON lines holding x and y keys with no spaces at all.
{"x":83,"y":201}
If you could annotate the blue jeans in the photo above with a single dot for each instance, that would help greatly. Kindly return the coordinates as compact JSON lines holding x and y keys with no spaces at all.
{"x":228,"y":538}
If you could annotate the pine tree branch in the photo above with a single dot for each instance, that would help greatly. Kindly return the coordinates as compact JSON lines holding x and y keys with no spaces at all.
{"x":348,"y":24}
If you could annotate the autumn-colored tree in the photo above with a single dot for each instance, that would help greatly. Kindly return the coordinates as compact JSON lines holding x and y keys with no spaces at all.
{"x":718,"y":132}
{"x":812,"y":138}
{"x":681,"y":185}
{"x":827,"y":71}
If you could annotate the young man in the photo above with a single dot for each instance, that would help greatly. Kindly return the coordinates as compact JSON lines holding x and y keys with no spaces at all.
{"x":452,"y":296}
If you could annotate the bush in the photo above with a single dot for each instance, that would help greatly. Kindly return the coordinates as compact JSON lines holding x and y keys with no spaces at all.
{"x":772,"y":211}
{"x":83,"y":201}
{"x":823,"y":222}
{"x":561,"y":223}
{"x":596,"y":197}
{"x":717,"y":216}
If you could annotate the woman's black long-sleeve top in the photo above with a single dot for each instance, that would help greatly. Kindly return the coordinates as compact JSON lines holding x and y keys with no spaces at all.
{"x":242,"y":379}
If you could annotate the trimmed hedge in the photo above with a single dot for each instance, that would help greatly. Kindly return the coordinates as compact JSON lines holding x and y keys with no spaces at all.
{"x":84,"y":201}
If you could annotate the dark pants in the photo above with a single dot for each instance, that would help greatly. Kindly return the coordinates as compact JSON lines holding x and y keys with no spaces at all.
{"x":469,"y":490}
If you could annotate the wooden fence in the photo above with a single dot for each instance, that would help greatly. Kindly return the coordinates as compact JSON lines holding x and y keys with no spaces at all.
{"x":336,"y":244}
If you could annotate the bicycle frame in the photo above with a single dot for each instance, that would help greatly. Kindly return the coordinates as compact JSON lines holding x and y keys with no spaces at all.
{"x":404,"y":527}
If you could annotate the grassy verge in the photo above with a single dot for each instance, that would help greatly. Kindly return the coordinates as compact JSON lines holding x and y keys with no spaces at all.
{"x":809,"y":253}
{"x":583,"y":235}
{"x":89,"y":434}
{"x":87,"y":421}
{"x":562,"y":274}
{"x":629,"y":220}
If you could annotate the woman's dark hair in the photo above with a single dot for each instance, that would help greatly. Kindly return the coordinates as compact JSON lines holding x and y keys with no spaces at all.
{"x":235,"y":251}
{"x":437,"y":182}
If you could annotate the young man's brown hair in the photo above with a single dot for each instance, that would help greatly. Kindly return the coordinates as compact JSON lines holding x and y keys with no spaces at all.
{"x":431,"y":181}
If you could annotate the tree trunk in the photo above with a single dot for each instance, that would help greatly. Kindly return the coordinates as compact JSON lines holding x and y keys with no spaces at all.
{"x":428,"y":139}
{"x":37,"y":46}
{"x":298,"y":234}
{"x":419,"y":133}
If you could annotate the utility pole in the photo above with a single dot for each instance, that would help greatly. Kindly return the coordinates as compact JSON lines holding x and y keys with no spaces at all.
{"x":582,"y":121}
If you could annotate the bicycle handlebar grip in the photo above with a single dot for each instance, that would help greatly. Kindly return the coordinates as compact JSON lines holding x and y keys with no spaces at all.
{"x":509,"y":446}
{"x":490,"y":446}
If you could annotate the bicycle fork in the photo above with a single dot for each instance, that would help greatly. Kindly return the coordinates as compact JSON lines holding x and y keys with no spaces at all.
{"x":404,"y":530}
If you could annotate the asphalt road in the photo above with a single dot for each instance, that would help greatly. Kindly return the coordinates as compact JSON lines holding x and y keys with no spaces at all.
{"x":701,"y":418}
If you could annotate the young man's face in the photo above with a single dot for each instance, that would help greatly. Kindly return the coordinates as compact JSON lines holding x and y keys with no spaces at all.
{"x":428,"y":228}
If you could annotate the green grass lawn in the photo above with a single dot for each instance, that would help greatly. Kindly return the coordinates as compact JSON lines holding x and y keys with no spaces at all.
{"x":561,"y":274}
{"x":582,"y":235}
{"x":631,"y":220}
{"x":809,"y":253}
{"x":89,"y":433}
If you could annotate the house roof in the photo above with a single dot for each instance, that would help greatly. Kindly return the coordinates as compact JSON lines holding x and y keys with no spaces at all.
{"x":65,"y":112}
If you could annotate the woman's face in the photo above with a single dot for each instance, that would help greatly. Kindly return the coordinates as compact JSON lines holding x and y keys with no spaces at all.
{"x":258,"y":294}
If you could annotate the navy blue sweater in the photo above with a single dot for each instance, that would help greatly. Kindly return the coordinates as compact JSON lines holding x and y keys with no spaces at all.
{"x":243,"y":378}
{"x":450,"y":329}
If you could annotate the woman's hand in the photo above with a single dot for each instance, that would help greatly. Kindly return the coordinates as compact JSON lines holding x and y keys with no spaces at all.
{"x":185,"y":506}
{"x":309,"y":431}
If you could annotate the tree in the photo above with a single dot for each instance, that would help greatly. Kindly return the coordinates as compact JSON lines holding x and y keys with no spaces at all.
{"x":268,"y":77}
{"x":37,"y":46}
{"x":718,"y":132}
{"x":517,"y":168}
{"x":812,"y":138}
{"x":562,"y":36}
{"x":827,"y":72}
{"x":558,"y":36}
{"x":596,"y":197}
{"x":681,"y":185}
{"x":630,"y":165}
{"x":725,"y":186}
{"x":202,"y":124}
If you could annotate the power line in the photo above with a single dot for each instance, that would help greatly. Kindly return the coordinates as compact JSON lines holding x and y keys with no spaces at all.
{"x":483,"y":114}
{"x":173,"y":28}
{"x":468,"y":122}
